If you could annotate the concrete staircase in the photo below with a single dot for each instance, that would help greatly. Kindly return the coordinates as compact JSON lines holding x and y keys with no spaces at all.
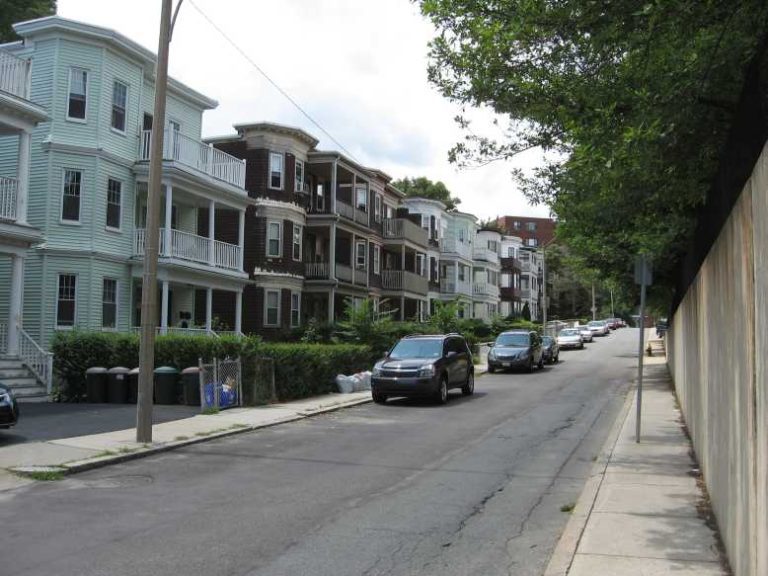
{"x":25,"y":386}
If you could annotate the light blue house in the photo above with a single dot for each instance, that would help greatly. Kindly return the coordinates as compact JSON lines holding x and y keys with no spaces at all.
{"x":87,"y":192}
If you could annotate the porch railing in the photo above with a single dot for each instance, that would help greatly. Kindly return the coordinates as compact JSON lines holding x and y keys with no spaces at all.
{"x":403,"y":280}
{"x":451,"y":287}
{"x":485,"y":255}
{"x":197,"y":155}
{"x":194,"y":248}
{"x":8,"y":198}
{"x":452,"y":245}
{"x":344,"y":272}
{"x":14,"y":75}
{"x":351,"y":212}
{"x":36,"y":359}
{"x":485,"y":289}
{"x":402,"y":228}
{"x":317,"y":270}
{"x":361,"y":276}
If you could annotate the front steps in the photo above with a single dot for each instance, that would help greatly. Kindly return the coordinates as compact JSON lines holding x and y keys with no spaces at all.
{"x":25,"y":386}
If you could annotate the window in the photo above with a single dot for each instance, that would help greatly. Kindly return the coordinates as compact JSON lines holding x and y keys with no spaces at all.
{"x":295,"y":309}
{"x":70,"y":205}
{"x":119,"y":103}
{"x":420,"y":264}
{"x":65,"y":303}
{"x":299,"y":184}
{"x":114,"y":197}
{"x":462,"y":273}
{"x":389,"y":211}
{"x":276,"y":171}
{"x":320,"y":198}
{"x":361,"y":198}
{"x":360,"y":255}
{"x":493,"y":246}
{"x":425,"y":222}
{"x":377,"y":207}
{"x":510,"y":252}
{"x":78,"y":94}
{"x":271,"y":307}
{"x":461,"y":235}
{"x":274,"y":233}
{"x":109,"y":304}
{"x":377,"y":259}
{"x":516,"y":225}
{"x":531,"y":242}
{"x":296,"y":242}
{"x":531,"y":226}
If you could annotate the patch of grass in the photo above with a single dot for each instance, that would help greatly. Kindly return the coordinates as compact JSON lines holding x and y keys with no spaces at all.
{"x":181,"y":438}
{"x":105,"y":453}
{"x":211,"y":410}
{"x":237,"y":425}
{"x":567,"y":507}
{"x":44,"y":475}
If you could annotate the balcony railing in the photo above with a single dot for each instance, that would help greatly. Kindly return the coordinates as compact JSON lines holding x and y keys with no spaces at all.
{"x":317,"y":270}
{"x":8,"y":198}
{"x":451,"y":287}
{"x":485,"y":255}
{"x":403,"y":280}
{"x":525,"y":293}
{"x":14,"y":75}
{"x":452,"y":245}
{"x":404,"y":229}
{"x":485,"y":289}
{"x":351,"y":213}
{"x":510,"y":263}
{"x":193,"y":248}
{"x":509,"y":293}
{"x":198,"y":156}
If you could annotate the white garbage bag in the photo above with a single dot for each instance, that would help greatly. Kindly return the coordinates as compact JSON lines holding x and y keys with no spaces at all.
{"x":346,"y":384}
{"x":363,"y":381}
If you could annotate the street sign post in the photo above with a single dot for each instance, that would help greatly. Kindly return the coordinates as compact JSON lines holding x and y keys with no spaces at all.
{"x":644,"y":277}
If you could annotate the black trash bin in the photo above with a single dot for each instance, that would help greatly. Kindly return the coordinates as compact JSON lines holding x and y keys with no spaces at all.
{"x":96,"y":385}
{"x":117,"y":385}
{"x":190,"y":386}
{"x":133,"y":386}
{"x":165,"y":385}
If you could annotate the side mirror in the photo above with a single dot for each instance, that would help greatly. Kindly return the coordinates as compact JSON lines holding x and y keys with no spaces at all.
{"x":451,"y":354}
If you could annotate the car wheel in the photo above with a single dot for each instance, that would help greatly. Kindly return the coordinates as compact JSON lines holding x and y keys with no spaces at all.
{"x":531,"y":365}
{"x":469,"y":387}
{"x":557,"y":359}
{"x":379,"y":398}
{"x":581,"y":347}
{"x":491,"y":369}
{"x":442,"y":391}
{"x":541,"y":362}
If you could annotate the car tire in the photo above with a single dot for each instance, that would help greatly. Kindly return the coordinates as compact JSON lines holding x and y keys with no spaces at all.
{"x":469,"y":387}
{"x":582,"y":346}
{"x":441,"y":396}
{"x":556,"y":360}
{"x":491,"y":369}
{"x":379,"y":398}
{"x":541,"y":362}
{"x":531,"y":365}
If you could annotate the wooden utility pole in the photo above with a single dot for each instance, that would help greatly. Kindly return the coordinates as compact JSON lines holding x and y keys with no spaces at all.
{"x":152,"y":234}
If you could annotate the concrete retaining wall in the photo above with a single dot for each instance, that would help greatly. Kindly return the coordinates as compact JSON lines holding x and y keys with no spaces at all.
{"x":718,"y":348}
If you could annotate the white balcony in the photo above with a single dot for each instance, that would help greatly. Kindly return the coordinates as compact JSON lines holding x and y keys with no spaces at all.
{"x":8,"y":198}
{"x":525,"y":293}
{"x":452,"y":287}
{"x":485,"y":289}
{"x":485,"y":255}
{"x":403,"y":280}
{"x":14,"y":75}
{"x":451,"y":245}
{"x":193,"y":248}
{"x":317,"y":270}
{"x":197,"y":155}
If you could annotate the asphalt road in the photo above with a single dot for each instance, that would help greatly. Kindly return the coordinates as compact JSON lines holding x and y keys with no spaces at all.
{"x":472,"y":488}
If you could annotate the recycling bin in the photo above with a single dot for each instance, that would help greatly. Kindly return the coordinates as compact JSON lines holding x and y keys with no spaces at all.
{"x":96,"y":385}
{"x":190,"y":386}
{"x":133,"y":386}
{"x":165,"y":385}
{"x":117,"y":385}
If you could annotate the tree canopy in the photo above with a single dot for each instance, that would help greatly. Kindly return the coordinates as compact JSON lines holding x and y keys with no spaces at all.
{"x":630,"y":101}
{"x":12,"y":11}
{"x":424,"y":187}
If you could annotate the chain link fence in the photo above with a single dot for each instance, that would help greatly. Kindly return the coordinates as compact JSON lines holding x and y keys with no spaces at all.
{"x":221,"y":384}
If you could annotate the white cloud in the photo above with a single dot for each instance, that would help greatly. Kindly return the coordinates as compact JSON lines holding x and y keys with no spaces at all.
{"x":357,"y":66}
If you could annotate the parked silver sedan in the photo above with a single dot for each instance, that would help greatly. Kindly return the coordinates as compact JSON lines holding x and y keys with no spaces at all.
{"x":586,"y":333}
{"x":570,"y":338}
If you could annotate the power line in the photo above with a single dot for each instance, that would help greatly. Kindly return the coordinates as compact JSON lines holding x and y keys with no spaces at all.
{"x":267,"y":77}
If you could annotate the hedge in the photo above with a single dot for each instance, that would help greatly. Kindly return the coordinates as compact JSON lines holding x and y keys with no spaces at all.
{"x":301,"y":370}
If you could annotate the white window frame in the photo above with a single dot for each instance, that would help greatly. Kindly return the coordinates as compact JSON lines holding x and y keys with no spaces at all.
{"x":120,"y":206}
{"x":84,"y":119}
{"x":299,"y":228}
{"x":364,"y":188}
{"x":358,"y":265}
{"x":420,"y":258}
{"x":377,"y":207}
{"x":267,"y":292}
{"x":320,"y":198}
{"x":376,"y":259}
{"x":112,"y":108}
{"x":279,"y":254}
{"x":297,"y":310}
{"x":298,"y":184}
{"x":58,"y":289}
{"x":62,"y":220}
{"x":272,"y":157}
{"x":117,"y":305}
{"x":462,"y":235}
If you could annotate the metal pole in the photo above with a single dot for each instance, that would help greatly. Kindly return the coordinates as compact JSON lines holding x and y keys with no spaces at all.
{"x":640,"y":351}
{"x":613,"y":314}
{"x":544,"y":289}
{"x":594,"y":308}
{"x":149,"y":282}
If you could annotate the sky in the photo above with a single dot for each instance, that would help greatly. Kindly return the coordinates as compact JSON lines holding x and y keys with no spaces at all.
{"x":357,"y":67}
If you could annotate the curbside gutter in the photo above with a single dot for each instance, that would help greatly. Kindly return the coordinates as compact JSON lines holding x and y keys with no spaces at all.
{"x":561,"y":559}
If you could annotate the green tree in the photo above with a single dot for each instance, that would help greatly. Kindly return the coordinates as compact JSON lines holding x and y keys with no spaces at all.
{"x":12,"y":11}
{"x":424,"y":188}
{"x":630,"y":101}
{"x":526,"y":312}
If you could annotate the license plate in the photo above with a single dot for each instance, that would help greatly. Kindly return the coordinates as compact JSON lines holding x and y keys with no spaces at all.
{"x":505,"y":364}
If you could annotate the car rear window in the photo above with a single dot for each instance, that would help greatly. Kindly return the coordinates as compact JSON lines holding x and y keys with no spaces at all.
{"x":569,"y":332}
{"x":417,"y":348}
{"x":513,"y":340}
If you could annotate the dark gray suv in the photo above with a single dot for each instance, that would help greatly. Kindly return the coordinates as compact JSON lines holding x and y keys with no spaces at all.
{"x":424,"y":366}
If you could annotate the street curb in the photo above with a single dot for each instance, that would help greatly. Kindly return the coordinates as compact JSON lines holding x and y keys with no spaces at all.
{"x":561,"y":559}
{"x":77,"y":466}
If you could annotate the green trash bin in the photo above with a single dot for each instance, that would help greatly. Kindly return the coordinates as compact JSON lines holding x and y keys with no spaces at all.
{"x":96,"y":385}
{"x":133,"y":386}
{"x":190,"y":386}
{"x":165,"y":385}
{"x":117,"y":385}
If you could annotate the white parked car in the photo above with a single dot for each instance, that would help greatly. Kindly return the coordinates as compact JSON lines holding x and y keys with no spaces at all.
{"x":586,"y":333}
{"x":570,"y":338}
{"x":599,"y":328}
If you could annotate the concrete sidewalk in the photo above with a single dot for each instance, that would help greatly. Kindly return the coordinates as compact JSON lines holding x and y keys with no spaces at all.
{"x":639,"y":514}
{"x":70,"y":455}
